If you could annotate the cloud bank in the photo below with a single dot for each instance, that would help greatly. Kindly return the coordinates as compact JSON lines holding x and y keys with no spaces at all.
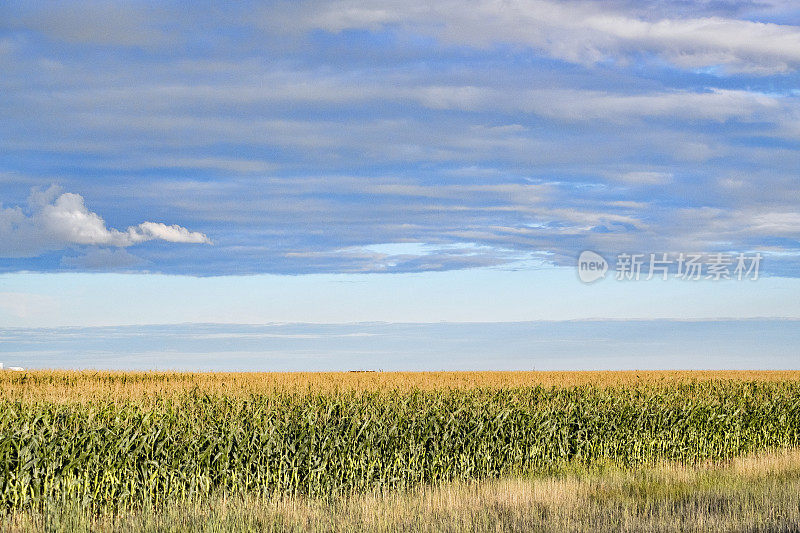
{"x":387,"y":136}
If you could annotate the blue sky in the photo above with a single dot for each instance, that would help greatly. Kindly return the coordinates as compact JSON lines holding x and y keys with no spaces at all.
{"x":346,"y":160}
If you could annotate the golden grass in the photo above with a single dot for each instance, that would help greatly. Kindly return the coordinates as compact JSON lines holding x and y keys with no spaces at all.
{"x":59,"y":385}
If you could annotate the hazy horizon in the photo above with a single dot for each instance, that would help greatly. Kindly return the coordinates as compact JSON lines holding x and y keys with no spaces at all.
{"x":540,"y":345}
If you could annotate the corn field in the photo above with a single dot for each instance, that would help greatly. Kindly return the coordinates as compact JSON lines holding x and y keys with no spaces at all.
{"x":193,"y":443}
{"x":83,"y":386}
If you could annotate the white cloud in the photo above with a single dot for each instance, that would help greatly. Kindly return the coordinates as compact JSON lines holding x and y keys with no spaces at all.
{"x":57,"y":220}
{"x":583,"y":32}
{"x":147,"y":231}
{"x":279,"y":88}
{"x":776,"y":223}
{"x":580,"y":105}
{"x":689,"y":35}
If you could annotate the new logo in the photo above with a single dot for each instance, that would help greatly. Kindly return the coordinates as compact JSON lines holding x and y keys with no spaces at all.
{"x":591,"y":266}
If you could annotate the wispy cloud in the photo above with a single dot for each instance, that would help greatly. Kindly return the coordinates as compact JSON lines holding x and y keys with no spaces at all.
{"x":301,"y":135}
{"x":582,"y":31}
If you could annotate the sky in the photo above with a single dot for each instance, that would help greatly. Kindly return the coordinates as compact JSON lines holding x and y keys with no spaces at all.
{"x":347,"y":161}
{"x":545,"y":345}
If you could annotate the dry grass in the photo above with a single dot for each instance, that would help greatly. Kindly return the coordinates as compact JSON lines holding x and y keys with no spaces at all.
{"x":758,"y":493}
{"x":70,"y":386}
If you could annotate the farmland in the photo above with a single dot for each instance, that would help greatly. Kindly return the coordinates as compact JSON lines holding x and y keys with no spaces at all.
{"x":73,"y":386}
{"x":121,"y":442}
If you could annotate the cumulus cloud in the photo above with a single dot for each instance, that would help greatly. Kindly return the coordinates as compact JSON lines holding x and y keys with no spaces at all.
{"x":54,"y":220}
